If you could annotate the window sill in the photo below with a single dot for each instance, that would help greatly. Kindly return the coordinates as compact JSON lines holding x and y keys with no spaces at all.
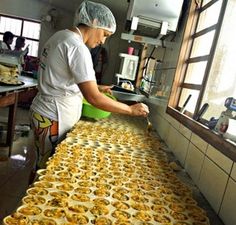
{"x":226,"y":147}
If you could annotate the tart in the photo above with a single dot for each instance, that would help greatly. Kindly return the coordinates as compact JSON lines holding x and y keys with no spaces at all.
{"x":102,"y":221}
{"x":33,"y":200}
{"x":99,"y":210}
{"x":80,"y":197}
{"x":77,"y":219}
{"x":16,"y":219}
{"x":78,"y":208}
{"x":43,"y":221}
{"x":29,"y":210}
{"x":57,"y":202}
{"x":37,"y":191}
{"x":142,"y":216}
{"x":120,"y":205}
{"x":54,"y":213}
{"x":101,"y":201}
{"x":121,"y":215}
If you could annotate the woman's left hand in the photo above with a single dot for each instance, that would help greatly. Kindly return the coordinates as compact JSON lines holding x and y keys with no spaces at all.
{"x":105,"y":88}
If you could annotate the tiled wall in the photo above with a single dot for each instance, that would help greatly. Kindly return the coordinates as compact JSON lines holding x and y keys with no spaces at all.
{"x":211,"y":171}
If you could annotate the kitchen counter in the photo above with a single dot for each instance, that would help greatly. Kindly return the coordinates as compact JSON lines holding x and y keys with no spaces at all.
{"x":109,"y":172}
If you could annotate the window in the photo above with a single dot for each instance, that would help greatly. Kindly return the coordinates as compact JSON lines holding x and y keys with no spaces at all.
{"x":206,"y":69}
{"x":22,"y":27}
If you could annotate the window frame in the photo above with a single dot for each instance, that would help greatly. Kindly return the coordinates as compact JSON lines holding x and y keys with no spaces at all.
{"x":227,"y":147}
{"x":22,"y":26}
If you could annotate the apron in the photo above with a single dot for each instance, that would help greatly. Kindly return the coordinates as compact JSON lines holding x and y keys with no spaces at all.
{"x":69,"y":110}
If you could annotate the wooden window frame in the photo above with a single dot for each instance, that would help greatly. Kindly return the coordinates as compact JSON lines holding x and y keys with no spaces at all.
{"x":227,"y":147}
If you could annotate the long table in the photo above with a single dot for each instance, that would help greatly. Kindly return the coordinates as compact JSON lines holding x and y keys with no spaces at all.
{"x":9,"y":98}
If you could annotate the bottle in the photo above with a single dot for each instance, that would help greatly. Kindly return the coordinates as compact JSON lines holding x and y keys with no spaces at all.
{"x":131,"y":69}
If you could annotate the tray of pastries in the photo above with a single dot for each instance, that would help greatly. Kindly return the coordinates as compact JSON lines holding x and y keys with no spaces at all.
{"x":89,"y":181}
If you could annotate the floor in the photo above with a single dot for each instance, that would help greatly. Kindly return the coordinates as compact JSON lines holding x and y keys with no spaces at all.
{"x":15,"y":172}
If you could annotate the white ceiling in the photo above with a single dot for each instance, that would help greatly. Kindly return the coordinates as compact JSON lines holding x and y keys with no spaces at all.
{"x":118,"y":7}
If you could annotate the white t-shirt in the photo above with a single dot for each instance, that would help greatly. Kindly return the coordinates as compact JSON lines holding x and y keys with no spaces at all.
{"x":65,"y":62}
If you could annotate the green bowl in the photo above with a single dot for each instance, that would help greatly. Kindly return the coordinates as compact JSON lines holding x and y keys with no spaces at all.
{"x":90,"y":111}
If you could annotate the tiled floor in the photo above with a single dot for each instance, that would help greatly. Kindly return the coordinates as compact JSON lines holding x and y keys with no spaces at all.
{"x":15,"y":172}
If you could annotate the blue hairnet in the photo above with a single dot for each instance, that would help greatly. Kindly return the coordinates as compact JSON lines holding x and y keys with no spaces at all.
{"x":95,"y":15}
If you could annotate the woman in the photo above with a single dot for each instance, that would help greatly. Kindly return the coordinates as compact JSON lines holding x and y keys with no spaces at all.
{"x":66,"y":75}
{"x":7,"y":40}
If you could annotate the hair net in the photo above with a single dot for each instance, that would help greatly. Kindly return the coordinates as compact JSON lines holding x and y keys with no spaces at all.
{"x":95,"y":15}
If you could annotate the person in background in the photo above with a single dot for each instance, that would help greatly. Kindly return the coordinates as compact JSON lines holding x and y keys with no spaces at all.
{"x":7,"y":40}
{"x":20,"y":44}
{"x":66,"y":76}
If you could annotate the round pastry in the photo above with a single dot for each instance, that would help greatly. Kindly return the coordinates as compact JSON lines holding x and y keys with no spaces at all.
{"x":101,"y":192}
{"x":78,"y":208}
{"x":121,"y":215}
{"x":15,"y":219}
{"x":77,"y":218}
{"x":59,"y":194}
{"x":101,"y":201}
{"x":36,"y":191}
{"x":48,"y":177}
{"x":33,"y":200}
{"x":120,"y":205}
{"x":179,"y":216}
{"x":102,"y":221}
{"x":162,"y":218}
{"x":139,"y":198}
{"x":103,"y":186}
{"x":198,"y":217}
{"x":43,"y":184}
{"x":122,"y":222}
{"x":43,"y":221}
{"x":177,"y":207}
{"x":159,"y":209}
{"x":29,"y":210}
{"x":140,"y":206}
{"x":57,"y":202}
{"x":120,"y":197}
{"x":142,"y":216}
{"x":99,"y":210}
{"x":82,"y":190}
{"x":54,"y":213}
{"x":65,"y":187}
{"x":80,"y":197}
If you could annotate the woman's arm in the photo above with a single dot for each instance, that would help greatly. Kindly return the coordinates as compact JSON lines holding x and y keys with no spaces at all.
{"x":92,"y":94}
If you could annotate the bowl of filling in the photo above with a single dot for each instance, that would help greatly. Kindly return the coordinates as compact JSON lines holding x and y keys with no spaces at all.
{"x":90,"y":111}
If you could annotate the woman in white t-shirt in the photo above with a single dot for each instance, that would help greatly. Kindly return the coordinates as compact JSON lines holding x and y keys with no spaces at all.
{"x":66,"y":75}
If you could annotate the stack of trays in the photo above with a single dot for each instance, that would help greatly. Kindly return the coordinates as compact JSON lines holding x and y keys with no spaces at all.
{"x":92,"y":179}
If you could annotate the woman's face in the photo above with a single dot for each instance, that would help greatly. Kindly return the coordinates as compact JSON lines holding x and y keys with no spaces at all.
{"x":97,"y":37}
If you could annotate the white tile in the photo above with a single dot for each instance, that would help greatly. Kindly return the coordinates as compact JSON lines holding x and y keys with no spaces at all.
{"x":199,"y":142}
{"x":172,"y":138}
{"x":220,"y":159}
{"x":233,"y":173}
{"x":193,"y":162}
{"x":162,"y":128}
{"x":212,"y":183}
{"x":185,"y":131}
{"x":227,"y":211}
{"x":181,"y":148}
{"x":175,"y":123}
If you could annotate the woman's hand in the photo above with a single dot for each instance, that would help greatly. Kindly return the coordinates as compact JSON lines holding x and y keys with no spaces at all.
{"x":105,"y":88}
{"x":139,"y":109}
